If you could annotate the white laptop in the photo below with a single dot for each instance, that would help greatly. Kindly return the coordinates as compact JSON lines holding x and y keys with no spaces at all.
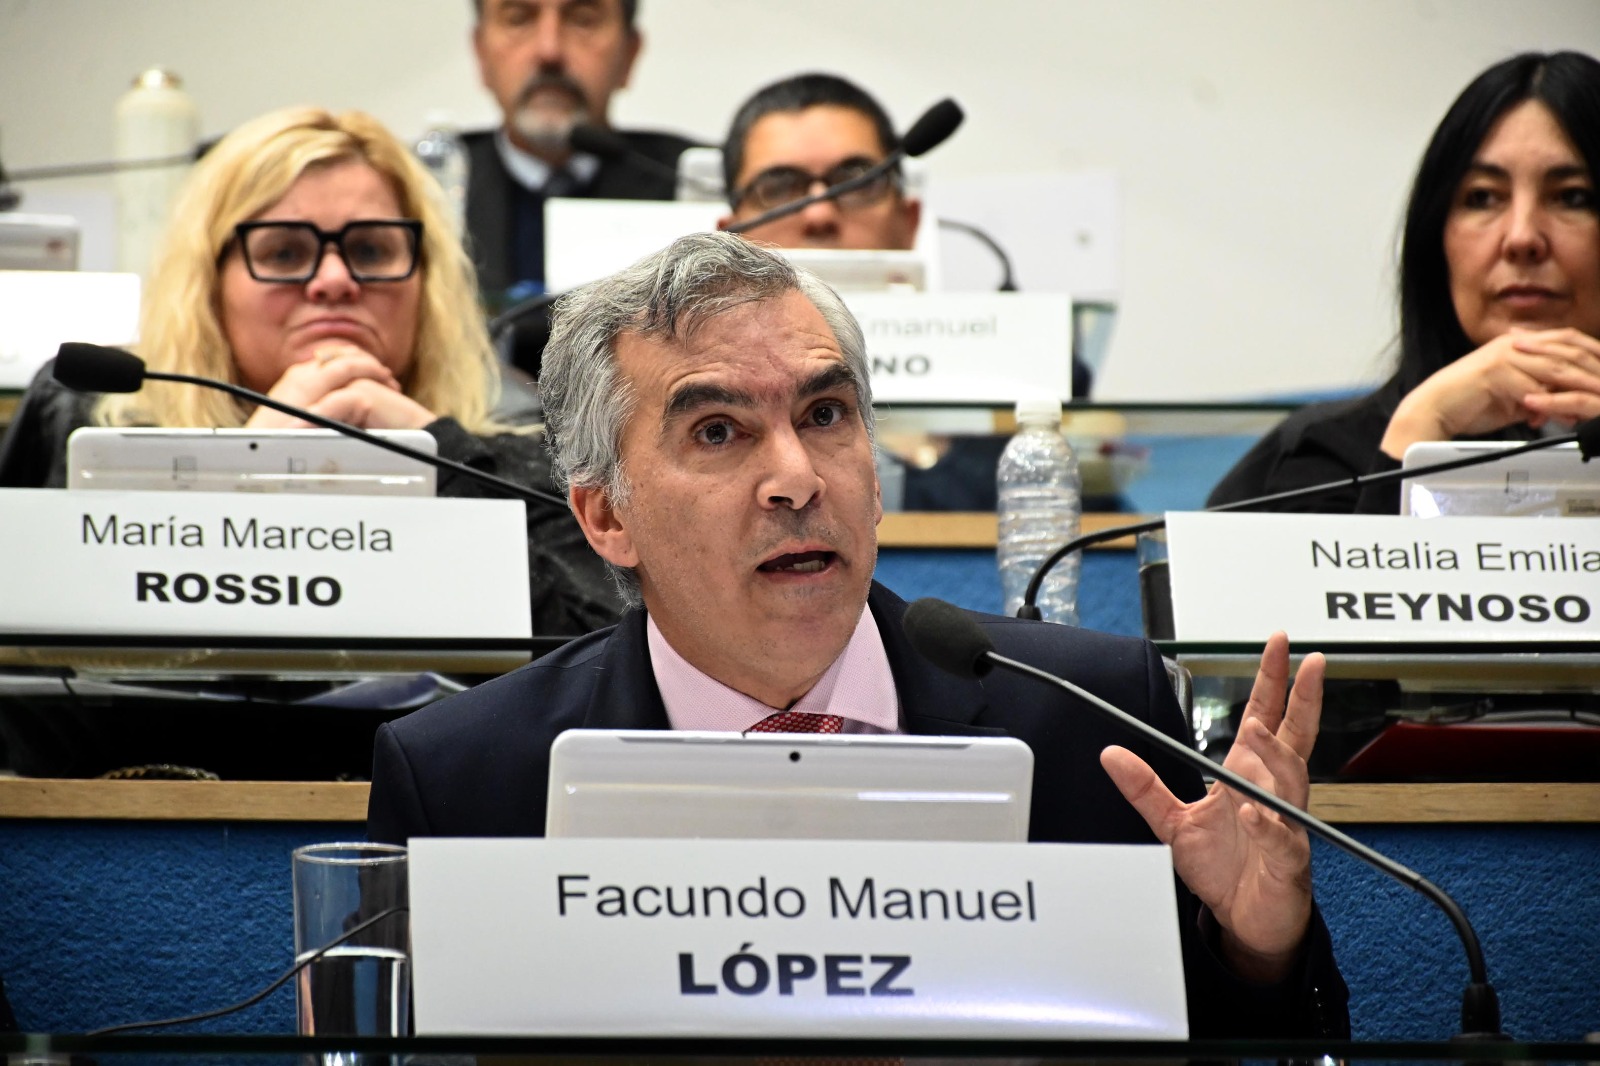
{"x":663,"y":783}
{"x":247,"y":460}
{"x":587,"y":239}
{"x":41,"y":308}
{"x":38,"y":242}
{"x":875,"y":270}
{"x":1548,"y":482}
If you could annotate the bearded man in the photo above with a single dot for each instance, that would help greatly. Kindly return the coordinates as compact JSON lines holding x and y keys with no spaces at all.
{"x":551,"y":65}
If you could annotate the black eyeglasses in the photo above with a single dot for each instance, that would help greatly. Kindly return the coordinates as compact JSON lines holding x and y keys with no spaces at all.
{"x":291,"y":252}
{"x":780,"y":185}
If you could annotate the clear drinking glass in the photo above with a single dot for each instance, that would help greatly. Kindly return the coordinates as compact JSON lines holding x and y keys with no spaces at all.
{"x":361,"y":987}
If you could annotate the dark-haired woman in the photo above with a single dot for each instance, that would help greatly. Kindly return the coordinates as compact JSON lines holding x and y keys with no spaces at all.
{"x":1499,"y":292}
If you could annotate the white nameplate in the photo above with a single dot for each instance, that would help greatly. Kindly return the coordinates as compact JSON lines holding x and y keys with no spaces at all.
{"x":795,"y":939}
{"x":1364,"y":578}
{"x":985,"y":347}
{"x":240,"y":564}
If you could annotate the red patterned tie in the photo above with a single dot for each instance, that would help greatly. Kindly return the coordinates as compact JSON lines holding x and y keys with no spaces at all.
{"x":803,"y":722}
{"x":798,"y":722}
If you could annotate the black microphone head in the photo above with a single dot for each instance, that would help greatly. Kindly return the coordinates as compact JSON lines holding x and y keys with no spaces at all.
{"x":933,"y":128}
{"x":96,"y":368}
{"x":1588,"y":434}
{"x":597,"y":140}
{"x":948,"y":637}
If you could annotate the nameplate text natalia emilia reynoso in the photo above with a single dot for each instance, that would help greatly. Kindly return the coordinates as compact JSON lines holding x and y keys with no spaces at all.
{"x":1376,"y":578}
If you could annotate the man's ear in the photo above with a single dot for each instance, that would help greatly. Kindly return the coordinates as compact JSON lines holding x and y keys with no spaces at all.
{"x":630,"y":55}
{"x":477,"y":51}
{"x":602,"y":526}
{"x":725,"y":221}
{"x":911,"y":212}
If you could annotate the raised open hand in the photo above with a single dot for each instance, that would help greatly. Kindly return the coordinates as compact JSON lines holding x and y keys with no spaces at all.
{"x":1249,"y":866}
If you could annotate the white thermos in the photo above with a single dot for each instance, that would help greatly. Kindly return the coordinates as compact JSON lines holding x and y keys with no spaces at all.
{"x":155,"y":119}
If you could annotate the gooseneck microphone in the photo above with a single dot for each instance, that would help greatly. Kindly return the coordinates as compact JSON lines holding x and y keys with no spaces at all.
{"x":610,"y":145}
{"x":519,"y":312}
{"x":1586,"y":435}
{"x":110,"y":166}
{"x":97,"y":368}
{"x":952,"y":640}
{"x":1008,"y":281}
{"x":927,"y":133}
{"x":10,"y":198}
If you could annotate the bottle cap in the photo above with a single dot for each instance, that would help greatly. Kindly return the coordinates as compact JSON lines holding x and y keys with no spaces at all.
{"x":157,"y":78}
{"x":1039,"y":410}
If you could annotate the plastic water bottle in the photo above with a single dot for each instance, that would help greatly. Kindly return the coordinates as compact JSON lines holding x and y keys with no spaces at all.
{"x":1041,"y":505}
{"x":441,"y":153}
{"x":155,"y":119}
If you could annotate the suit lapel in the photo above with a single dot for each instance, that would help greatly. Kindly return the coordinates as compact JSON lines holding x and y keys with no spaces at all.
{"x":489,"y":215}
{"x":626,"y":696}
{"x":932,"y":703}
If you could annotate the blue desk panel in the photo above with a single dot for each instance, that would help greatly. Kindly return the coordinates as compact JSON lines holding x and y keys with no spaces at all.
{"x":1108,"y":585}
{"x":104,"y":922}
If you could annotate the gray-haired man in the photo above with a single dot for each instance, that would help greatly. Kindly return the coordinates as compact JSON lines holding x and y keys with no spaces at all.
{"x":711,"y":414}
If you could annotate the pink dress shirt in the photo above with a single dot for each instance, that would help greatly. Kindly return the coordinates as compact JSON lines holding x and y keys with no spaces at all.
{"x":858,"y":687}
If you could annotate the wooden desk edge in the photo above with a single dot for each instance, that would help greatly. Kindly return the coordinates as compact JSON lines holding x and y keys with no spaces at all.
{"x":1453,"y":802}
{"x":976,"y":529}
{"x":333,"y":801}
{"x":203,"y":801}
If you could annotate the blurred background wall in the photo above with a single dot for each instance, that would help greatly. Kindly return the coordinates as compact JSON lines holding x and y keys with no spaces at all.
{"x":1263,"y":147}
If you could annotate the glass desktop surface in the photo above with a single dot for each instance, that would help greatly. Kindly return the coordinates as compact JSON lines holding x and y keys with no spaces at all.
{"x":1137,"y":458}
{"x":1546,"y":697}
{"x":1134,"y":458}
{"x":68,"y":1050}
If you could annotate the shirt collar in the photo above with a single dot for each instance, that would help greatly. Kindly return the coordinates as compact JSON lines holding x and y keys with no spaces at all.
{"x":531,"y":172}
{"x":858,"y":686}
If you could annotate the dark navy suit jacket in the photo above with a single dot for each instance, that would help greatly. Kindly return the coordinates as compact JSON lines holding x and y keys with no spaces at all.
{"x":490,"y":190}
{"x":476,"y":764}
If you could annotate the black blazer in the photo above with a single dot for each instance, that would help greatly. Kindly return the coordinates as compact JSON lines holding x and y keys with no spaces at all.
{"x":1324,"y":442}
{"x":477,"y":764}
{"x":490,"y":189}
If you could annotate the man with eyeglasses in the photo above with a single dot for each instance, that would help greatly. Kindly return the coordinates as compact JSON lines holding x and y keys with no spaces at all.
{"x":551,"y":65}
{"x":801,"y":135}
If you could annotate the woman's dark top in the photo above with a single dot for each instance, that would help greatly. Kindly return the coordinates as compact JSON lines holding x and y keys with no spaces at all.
{"x":269,"y":735}
{"x":1325,"y":442}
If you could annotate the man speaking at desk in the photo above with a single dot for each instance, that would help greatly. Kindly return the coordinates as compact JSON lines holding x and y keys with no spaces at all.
{"x":711,"y":415}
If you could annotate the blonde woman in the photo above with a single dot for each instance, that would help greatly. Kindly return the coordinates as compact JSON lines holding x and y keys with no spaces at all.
{"x":308,"y":258}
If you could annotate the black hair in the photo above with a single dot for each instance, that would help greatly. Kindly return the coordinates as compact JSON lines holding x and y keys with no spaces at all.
{"x":798,"y":93}
{"x":630,"y":11}
{"x":1568,"y":83}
